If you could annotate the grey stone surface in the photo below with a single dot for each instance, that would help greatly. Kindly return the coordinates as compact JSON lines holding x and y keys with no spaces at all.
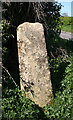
{"x":33,"y":63}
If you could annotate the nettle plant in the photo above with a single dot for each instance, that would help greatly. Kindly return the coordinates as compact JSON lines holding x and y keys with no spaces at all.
{"x":15,"y":106}
{"x":62,"y":106}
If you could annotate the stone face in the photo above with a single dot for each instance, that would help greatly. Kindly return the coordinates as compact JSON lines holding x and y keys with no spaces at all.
{"x":33,"y":63}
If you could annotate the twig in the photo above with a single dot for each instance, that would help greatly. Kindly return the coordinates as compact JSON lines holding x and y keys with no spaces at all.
{"x":8,"y":74}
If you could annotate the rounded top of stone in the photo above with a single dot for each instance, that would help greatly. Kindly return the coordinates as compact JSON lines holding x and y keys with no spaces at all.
{"x":36,"y":24}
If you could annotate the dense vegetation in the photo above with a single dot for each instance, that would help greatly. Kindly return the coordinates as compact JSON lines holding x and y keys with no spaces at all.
{"x":15,"y":106}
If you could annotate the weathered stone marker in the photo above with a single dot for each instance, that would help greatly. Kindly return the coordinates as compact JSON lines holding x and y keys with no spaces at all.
{"x":33,"y":63}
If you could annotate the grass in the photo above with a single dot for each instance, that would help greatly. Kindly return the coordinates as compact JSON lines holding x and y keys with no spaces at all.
{"x":67,"y":28}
